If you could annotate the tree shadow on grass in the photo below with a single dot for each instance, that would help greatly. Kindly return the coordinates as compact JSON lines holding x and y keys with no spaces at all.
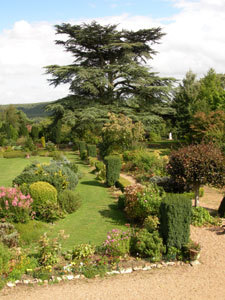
{"x":93,"y":183}
{"x":114,"y":215}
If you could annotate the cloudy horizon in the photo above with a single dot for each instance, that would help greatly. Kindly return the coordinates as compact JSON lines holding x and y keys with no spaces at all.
{"x":194,"y":41}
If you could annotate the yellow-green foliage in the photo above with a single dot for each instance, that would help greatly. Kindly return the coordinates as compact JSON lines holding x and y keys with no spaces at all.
{"x":42,"y":191}
{"x":122,"y":183}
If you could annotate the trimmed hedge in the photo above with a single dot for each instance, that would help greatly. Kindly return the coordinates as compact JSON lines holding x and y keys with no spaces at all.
{"x":221,"y":209}
{"x":45,"y":201}
{"x":175,"y":220}
{"x":82,"y":146}
{"x":14,"y":154}
{"x":92,"y":150}
{"x":122,"y":183}
{"x":113,"y":167}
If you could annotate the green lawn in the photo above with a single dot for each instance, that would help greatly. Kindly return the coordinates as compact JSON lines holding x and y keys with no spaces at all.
{"x":90,"y":223}
{"x":11,"y":167}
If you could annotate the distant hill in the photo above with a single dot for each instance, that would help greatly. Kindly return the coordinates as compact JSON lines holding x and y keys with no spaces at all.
{"x":32,"y":110}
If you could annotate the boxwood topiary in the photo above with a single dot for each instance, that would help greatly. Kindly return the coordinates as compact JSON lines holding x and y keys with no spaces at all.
{"x":44,"y":201}
{"x":92,"y":150}
{"x":175,"y":220}
{"x":113,"y":167}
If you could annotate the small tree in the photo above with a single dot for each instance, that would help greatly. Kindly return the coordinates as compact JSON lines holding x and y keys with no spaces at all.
{"x":198,"y":165}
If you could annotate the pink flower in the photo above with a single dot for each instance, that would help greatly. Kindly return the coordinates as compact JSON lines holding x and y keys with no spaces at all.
{"x":20,"y":204}
{"x":14,"y":203}
{"x":6,"y":202}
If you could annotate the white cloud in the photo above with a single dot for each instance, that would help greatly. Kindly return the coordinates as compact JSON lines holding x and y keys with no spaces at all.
{"x":195,"y":40}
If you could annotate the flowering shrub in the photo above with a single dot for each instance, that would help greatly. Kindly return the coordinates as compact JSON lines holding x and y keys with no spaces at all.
{"x":14,"y":206}
{"x":141,"y":202}
{"x":117,"y":243}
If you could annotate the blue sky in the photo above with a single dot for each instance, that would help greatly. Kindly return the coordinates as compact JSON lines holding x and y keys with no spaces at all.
{"x":56,"y":11}
{"x":194,"y":39}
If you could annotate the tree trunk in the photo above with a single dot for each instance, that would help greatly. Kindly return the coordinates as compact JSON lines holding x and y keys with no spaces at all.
{"x":196,"y":189}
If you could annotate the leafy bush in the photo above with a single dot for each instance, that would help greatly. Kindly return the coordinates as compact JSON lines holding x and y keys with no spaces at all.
{"x":198,"y":165}
{"x":8,"y":235}
{"x":92,"y":150}
{"x":69,"y":201}
{"x":221,"y":209}
{"x":83,"y":251}
{"x":175,"y":219}
{"x":14,"y":206}
{"x":58,"y":174}
{"x":146,"y":244}
{"x":144,"y":161}
{"x":151,"y":223}
{"x":142,"y":201}
{"x":45,"y":201}
{"x":122,"y":183}
{"x":50,"y":146}
{"x":14,"y":154}
{"x":117,"y":243}
{"x":113,"y":167}
{"x":99,"y":165}
{"x":48,"y":251}
{"x":82,"y":146}
{"x":200,"y":217}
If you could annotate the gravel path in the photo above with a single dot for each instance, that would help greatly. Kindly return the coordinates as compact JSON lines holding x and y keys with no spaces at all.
{"x":205,"y":281}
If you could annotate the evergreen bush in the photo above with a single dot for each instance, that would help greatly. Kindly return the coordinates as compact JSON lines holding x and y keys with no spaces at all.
{"x":44,"y":201}
{"x":82,"y":146}
{"x":175,"y":220}
{"x":83,"y":155}
{"x":92,"y":150}
{"x":69,"y":201}
{"x":221,"y":209}
{"x":113,"y":167}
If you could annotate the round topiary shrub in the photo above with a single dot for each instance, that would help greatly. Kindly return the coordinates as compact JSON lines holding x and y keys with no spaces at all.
{"x":69,"y":201}
{"x":44,"y":201}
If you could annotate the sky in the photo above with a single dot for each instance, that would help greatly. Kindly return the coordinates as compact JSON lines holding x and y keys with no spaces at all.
{"x":194,"y":39}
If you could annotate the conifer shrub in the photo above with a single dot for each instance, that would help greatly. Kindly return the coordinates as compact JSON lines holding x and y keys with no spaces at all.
{"x":82,"y":146}
{"x":221,"y":209}
{"x":175,"y":220}
{"x":45,"y":201}
{"x":146,"y":244}
{"x":69,"y":201}
{"x":92,"y":150}
{"x":113,"y":167}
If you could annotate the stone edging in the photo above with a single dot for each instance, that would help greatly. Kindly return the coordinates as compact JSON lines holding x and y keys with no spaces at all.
{"x":129,"y":270}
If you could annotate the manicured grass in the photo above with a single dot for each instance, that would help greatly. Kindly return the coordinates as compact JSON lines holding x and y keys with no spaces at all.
{"x":97,"y":215}
{"x":11,"y":167}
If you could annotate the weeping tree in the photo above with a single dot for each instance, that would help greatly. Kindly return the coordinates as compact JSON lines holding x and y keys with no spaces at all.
{"x":110,"y":66}
{"x":198,"y":165}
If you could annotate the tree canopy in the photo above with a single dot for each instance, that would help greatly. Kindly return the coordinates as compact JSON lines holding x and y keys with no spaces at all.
{"x":110,"y":66}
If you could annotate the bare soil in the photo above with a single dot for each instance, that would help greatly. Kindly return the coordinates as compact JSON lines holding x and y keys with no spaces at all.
{"x":201,"y":282}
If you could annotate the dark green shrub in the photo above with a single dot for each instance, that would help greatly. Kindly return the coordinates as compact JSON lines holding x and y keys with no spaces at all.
{"x":83,"y":155}
{"x":69,"y":201}
{"x":175,"y":220}
{"x":221,"y":209}
{"x":45,"y":201}
{"x":146,"y":244}
{"x":121,"y":202}
{"x":122,"y":183}
{"x":82,"y":146}
{"x":9,"y":235}
{"x":92,"y":150}
{"x":14,"y":154}
{"x":113,"y":167}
